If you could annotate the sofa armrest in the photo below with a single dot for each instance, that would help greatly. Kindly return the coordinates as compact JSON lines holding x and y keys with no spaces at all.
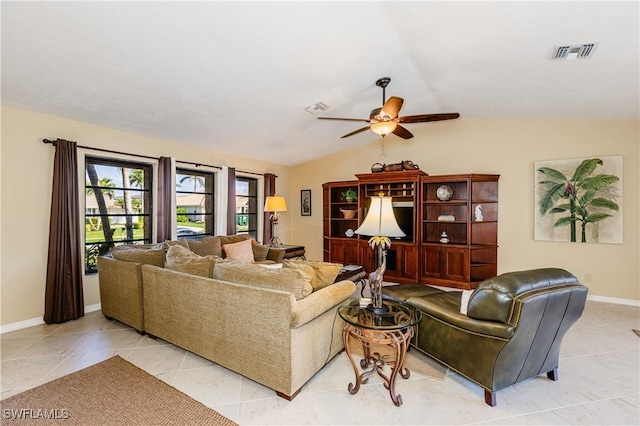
{"x":120,"y":285}
{"x":276,"y":254}
{"x":321,"y":301}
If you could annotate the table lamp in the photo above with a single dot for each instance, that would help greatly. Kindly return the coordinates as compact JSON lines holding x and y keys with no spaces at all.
{"x":380,"y":223}
{"x":275,"y":204}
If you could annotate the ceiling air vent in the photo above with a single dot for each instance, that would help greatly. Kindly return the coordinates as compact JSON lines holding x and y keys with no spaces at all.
{"x":576,"y":51}
{"x":316,"y":108}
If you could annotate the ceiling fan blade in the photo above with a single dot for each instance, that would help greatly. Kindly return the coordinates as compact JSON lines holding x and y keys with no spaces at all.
{"x":402,"y":132}
{"x":424,"y":118}
{"x":345,"y":119}
{"x":392,"y":107}
{"x":355,"y":132}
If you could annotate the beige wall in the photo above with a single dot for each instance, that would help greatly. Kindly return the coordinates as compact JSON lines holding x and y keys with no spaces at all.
{"x":26,"y":175}
{"x":508,"y":148}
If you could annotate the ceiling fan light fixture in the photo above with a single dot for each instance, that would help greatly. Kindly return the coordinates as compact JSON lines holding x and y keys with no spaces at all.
{"x":383,"y":128}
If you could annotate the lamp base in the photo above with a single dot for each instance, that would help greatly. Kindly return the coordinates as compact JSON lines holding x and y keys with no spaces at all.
{"x":384,"y":309}
{"x":275,"y":242}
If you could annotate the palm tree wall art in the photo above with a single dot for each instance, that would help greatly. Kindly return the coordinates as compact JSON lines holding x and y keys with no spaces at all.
{"x":579,"y":200}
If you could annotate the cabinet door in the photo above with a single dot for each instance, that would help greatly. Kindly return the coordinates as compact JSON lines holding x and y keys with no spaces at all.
{"x":455,"y":264}
{"x":447,"y":263}
{"x":431,"y":261}
{"x":344,"y":251}
{"x":407,"y":262}
{"x":367,"y":257}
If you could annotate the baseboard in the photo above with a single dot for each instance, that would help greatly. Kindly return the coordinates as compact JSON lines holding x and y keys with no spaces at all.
{"x":38,"y":321}
{"x":20,"y":325}
{"x":615,"y":300}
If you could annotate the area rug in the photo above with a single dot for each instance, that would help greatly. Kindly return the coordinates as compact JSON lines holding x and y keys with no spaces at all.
{"x":415,"y":360}
{"x":113,"y":392}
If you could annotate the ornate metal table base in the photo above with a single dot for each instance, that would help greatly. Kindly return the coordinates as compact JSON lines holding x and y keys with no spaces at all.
{"x":375,"y":362}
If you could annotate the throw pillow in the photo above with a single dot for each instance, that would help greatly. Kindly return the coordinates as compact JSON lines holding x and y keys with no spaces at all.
{"x":230,"y":239}
{"x":324,"y":273}
{"x":289,"y":280}
{"x":148,"y":255}
{"x":464,"y":301}
{"x":260,"y":252}
{"x":207,"y":246}
{"x":184,"y":260}
{"x":240,"y":251}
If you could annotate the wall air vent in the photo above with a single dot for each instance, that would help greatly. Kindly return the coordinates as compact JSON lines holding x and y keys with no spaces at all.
{"x":316,"y":108}
{"x":575,"y":51}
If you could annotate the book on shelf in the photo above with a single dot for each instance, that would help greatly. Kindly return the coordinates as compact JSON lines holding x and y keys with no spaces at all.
{"x":446,"y":218}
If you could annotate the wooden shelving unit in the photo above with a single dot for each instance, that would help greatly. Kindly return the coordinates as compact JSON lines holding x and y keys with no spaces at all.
{"x":404,"y":188}
{"x":471,"y":253}
{"x":338,"y":246}
{"x":469,"y":256}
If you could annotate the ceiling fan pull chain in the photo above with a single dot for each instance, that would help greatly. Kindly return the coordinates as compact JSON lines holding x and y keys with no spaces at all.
{"x":382,"y":154}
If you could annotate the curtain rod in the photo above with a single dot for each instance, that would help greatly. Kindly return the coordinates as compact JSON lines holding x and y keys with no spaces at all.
{"x":149,"y":157}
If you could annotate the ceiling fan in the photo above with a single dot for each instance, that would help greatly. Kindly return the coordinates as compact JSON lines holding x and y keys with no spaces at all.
{"x":385,"y":120}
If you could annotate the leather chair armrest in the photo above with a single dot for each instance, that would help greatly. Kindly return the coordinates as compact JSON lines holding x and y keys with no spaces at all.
{"x":435,"y":307}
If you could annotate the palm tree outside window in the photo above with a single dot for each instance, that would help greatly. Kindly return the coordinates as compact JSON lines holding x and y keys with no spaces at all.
{"x":117,"y":206}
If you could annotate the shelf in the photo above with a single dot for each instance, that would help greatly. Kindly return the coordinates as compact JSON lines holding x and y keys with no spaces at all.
{"x":461,"y":222}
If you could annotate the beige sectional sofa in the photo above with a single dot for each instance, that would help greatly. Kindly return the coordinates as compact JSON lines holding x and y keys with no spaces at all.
{"x":120,"y":273}
{"x":275,"y":326}
{"x":261,"y":333}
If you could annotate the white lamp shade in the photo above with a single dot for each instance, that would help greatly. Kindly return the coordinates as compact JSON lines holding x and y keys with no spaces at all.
{"x":275,"y":204}
{"x":380,"y":220}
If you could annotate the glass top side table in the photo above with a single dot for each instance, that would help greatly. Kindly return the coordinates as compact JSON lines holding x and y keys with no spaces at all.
{"x":394,"y":329}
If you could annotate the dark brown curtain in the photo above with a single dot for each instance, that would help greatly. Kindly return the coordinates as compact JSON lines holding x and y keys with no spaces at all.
{"x":269,"y":190}
{"x":231,"y":202}
{"x":165,"y":194}
{"x":63,"y":298}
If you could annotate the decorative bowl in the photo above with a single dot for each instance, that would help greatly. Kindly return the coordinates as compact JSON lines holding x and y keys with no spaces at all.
{"x":348,"y":214}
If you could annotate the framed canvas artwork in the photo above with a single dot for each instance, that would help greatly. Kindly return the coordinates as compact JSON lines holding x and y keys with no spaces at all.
{"x":579,"y":200}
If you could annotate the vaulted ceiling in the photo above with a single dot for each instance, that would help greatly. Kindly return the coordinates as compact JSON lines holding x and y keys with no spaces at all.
{"x":236,"y":77}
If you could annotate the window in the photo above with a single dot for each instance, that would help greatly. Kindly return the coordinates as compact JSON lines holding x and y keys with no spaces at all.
{"x":117,"y":206}
{"x":194,"y":203}
{"x":247,"y":206}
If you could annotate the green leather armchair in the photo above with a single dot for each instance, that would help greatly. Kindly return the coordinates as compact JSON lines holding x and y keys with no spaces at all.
{"x":512,"y":330}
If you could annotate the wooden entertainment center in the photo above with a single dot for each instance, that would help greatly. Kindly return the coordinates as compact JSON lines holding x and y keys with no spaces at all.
{"x":464,"y":207}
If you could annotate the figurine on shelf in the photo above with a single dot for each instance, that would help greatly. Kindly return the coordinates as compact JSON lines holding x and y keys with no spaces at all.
{"x":444,"y":238}
{"x":478,"y":213}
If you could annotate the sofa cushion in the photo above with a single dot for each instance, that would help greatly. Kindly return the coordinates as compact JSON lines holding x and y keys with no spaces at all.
{"x":180,"y":241}
{"x":289,"y":280}
{"x":147,"y":254}
{"x":207,"y":246}
{"x":240,"y":251}
{"x":184,"y":260}
{"x":260,"y":251}
{"x":322,"y":273}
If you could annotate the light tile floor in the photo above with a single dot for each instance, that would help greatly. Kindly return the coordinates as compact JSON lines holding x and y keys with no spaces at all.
{"x":599,"y":378}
